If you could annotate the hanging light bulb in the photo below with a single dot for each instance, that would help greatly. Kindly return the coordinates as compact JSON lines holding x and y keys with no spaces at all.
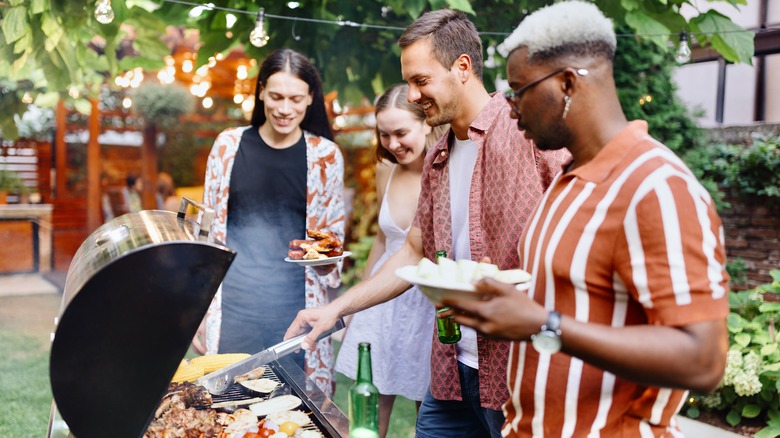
{"x":683,"y":53}
{"x":258,"y":37}
{"x":103,"y":12}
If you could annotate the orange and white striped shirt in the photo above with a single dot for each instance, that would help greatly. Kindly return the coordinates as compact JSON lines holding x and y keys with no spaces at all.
{"x":629,"y":238}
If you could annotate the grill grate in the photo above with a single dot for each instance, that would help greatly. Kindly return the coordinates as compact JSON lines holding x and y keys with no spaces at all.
{"x":235,"y":393}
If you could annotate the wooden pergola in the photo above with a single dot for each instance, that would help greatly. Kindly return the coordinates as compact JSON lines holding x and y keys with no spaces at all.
{"x":82,"y":216}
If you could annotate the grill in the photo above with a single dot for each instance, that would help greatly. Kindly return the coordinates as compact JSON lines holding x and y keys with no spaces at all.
{"x":136,"y":292}
{"x":326,"y":417}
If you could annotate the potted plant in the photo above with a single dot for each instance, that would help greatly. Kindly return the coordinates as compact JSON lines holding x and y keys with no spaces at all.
{"x":10,"y":183}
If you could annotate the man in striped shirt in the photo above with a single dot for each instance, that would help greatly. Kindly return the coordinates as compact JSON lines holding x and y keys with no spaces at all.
{"x":626,"y":310}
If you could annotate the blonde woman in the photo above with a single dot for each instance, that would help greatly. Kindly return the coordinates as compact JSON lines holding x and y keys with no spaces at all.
{"x":399,"y":330}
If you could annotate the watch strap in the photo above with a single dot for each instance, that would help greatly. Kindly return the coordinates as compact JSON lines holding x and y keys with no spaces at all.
{"x":553,"y":323}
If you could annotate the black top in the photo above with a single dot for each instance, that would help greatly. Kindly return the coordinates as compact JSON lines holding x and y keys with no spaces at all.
{"x":261,"y":293}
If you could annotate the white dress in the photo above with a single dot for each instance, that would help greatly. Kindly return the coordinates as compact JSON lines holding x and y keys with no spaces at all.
{"x":400,"y":330}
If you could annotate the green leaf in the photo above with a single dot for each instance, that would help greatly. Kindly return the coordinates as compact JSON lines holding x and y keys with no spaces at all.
{"x":732,"y":41}
{"x":146,"y":21}
{"x":39,"y":6}
{"x":23,"y":43}
{"x":629,"y":5}
{"x":19,"y":63}
{"x":772,"y":367}
{"x":733,"y":418}
{"x":120,"y":10}
{"x":148,"y":64}
{"x":767,"y":350}
{"x":8,"y":126}
{"x":83,"y":106}
{"x":47,"y":100}
{"x":751,"y":411}
{"x":736,"y":323}
{"x":149,"y":48}
{"x":769,"y":307}
{"x":648,"y":27}
{"x":461,"y":5}
{"x":15,"y":24}
{"x":415,"y":7}
{"x":768,"y":432}
{"x":52,"y":30}
{"x":742,"y":339}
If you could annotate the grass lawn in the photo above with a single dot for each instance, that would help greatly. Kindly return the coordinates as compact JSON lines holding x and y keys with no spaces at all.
{"x":25,"y":391}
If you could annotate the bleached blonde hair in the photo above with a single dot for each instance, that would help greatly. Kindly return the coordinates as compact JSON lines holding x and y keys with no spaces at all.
{"x":567,"y":28}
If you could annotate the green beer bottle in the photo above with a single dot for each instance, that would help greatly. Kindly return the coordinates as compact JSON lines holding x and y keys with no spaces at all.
{"x":364,"y":399}
{"x":449,"y":330}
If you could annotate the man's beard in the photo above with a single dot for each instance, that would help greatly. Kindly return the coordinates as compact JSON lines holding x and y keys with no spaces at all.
{"x":557,"y":136}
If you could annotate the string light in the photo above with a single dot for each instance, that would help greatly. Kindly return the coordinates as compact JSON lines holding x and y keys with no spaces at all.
{"x":340,"y":22}
{"x":103,"y":12}
{"x":683,"y":53}
{"x":258,"y":37}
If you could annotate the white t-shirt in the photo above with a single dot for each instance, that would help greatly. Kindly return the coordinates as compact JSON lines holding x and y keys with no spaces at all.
{"x":463,"y":158}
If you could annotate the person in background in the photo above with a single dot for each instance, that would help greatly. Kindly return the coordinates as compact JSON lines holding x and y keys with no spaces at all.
{"x":480,"y":183}
{"x":398,"y":330}
{"x":166,"y":193}
{"x":628,"y":300}
{"x":134,"y":186}
{"x":269,"y":183}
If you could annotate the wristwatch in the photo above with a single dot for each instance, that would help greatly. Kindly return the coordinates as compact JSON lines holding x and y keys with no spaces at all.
{"x":548,"y":340}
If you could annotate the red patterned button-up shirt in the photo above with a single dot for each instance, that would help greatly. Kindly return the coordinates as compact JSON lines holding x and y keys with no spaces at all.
{"x":509,"y":177}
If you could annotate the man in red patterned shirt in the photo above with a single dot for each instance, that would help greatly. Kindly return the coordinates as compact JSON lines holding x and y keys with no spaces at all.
{"x":480,"y":183}
{"x":627,"y":305}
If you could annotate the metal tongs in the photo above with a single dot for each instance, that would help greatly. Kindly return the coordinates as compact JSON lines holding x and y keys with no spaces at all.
{"x":219,"y":381}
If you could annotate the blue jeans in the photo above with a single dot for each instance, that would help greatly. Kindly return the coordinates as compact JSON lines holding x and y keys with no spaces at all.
{"x":453,"y":418}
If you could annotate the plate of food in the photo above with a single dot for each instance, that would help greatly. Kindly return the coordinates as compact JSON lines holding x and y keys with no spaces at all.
{"x":451,"y":279}
{"x":318,"y":262}
{"x":321,"y":248}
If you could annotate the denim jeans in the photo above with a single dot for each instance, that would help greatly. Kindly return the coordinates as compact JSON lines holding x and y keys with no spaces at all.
{"x":453,"y":418}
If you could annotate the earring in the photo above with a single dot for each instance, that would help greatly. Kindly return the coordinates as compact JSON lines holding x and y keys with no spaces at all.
{"x":566,"y":104}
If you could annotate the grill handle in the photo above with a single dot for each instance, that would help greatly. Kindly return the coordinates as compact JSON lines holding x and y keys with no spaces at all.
{"x":292,"y":344}
{"x":205,"y":219}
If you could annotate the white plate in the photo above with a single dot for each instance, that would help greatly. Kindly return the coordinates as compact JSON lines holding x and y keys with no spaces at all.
{"x":437,"y":289}
{"x":319,"y":262}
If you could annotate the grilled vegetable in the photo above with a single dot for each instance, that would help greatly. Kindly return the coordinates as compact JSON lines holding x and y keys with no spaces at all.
{"x":187,"y":373}
{"x":213,"y":362}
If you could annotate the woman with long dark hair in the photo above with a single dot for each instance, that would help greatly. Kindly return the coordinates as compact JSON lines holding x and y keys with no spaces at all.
{"x":268,"y":183}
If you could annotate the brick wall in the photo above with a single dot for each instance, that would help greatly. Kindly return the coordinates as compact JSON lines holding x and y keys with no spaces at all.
{"x":752,"y":228}
{"x":752,"y":225}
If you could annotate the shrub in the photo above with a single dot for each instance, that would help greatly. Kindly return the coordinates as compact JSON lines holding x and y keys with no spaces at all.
{"x":162,"y":105}
{"x":11,"y":182}
{"x":355,"y":273}
{"x":743,"y":170}
{"x":751,"y":383}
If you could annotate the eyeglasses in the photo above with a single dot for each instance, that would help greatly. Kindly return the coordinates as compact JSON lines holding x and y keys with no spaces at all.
{"x":513,"y":96}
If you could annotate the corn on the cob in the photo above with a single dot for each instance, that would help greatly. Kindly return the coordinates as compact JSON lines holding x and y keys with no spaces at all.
{"x":213,"y":362}
{"x":187,"y":373}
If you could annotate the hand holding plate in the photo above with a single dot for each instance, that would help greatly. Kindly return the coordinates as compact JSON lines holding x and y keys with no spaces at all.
{"x":503,"y":312}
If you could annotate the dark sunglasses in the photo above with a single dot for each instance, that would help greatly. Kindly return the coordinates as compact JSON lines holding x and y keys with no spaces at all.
{"x":513,"y":96}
